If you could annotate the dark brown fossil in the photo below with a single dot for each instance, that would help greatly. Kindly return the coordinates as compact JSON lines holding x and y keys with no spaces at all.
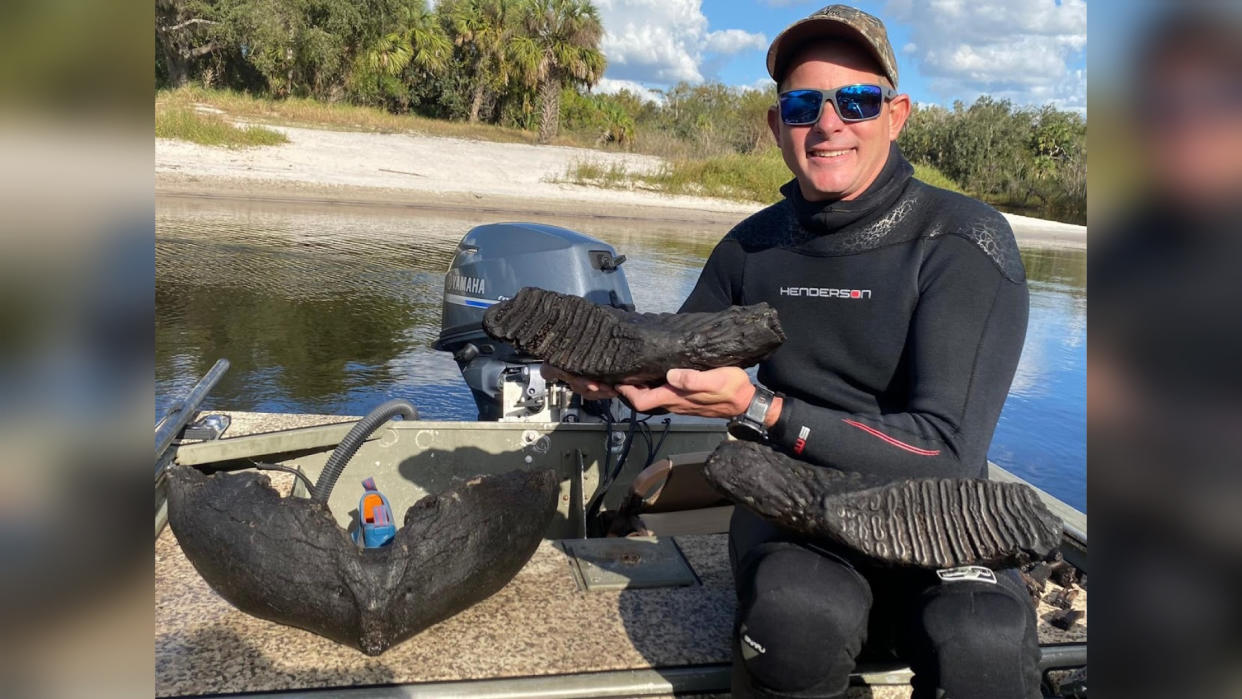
{"x":287,"y":560}
{"x":616,"y":346}
{"x":924,"y":522}
{"x":1063,"y":574}
{"x":1063,"y":598}
{"x":1036,"y":578}
{"x":1065,"y":619}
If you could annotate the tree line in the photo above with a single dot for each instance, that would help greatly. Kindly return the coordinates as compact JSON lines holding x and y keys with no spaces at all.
{"x":1032,"y":159}
{"x":499,"y":60}
{"x":531,"y":64}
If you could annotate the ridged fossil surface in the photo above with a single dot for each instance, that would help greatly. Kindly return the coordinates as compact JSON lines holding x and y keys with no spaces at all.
{"x":287,"y":560}
{"x":924,"y":522}
{"x":615,"y":346}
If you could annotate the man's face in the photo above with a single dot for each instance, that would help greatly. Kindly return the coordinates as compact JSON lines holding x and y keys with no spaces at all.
{"x":833,"y":159}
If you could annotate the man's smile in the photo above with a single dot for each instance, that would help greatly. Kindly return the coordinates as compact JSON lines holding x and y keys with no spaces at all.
{"x":828,"y":153}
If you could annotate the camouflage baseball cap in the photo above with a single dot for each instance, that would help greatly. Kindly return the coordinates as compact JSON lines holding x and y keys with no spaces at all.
{"x":834,"y":21}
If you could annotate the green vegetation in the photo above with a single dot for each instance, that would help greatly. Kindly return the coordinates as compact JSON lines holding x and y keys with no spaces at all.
{"x":609,"y":176}
{"x":1031,"y":161}
{"x":746,"y":177}
{"x":188,"y":124}
{"x":754,"y":177}
{"x":1022,"y":160}
{"x":522,"y":70}
{"x":502,"y":61}
{"x":936,"y":178}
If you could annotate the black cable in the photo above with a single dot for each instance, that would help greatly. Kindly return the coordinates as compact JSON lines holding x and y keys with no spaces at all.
{"x":653,"y":447}
{"x":353,"y":441}
{"x":610,"y":474}
{"x":625,"y":450}
{"x":263,"y":466}
{"x":645,"y":431}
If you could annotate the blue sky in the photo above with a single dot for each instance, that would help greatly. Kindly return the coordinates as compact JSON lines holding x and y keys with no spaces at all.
{"x":1030,"y":51}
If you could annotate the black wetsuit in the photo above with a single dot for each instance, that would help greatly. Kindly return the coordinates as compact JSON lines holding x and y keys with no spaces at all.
{"x":905,"y":311}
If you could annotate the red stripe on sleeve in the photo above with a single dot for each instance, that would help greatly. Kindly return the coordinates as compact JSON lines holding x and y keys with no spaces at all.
{"x":893,"y":441}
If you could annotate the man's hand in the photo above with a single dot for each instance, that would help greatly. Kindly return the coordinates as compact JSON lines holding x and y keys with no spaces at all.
{"x":723,"y":392}
{"x":589,"y":390}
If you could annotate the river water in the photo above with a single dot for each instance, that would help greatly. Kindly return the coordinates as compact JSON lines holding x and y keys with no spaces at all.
{"x":333,"y":309}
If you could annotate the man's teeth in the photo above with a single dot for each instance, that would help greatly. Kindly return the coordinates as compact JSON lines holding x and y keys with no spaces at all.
{"x":828,"y":153}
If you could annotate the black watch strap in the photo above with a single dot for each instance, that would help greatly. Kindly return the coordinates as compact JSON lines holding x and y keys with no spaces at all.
{"x":749,"y":425}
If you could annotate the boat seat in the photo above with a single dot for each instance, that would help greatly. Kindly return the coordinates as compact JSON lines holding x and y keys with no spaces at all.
{"x":671,"y":497}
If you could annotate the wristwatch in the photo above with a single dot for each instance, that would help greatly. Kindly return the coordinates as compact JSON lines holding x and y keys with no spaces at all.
{"x":749,"y":425}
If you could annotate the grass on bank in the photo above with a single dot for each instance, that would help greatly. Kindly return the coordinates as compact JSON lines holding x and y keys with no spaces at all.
{"x":188,"y":124}
{"x":309,"y":113}
{"x":753,"y":177}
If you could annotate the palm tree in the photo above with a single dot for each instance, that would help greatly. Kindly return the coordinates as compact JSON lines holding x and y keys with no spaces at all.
{"x":419,"y":41}
{"x":486,"y":27}
{"x":560,"y":46}
{"x":425,"y":35}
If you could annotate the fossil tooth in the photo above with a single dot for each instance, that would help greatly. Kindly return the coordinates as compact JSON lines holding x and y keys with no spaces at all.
{"x":287,"y":560}
{"x":931,"y":522}
{"x":615,"y":346}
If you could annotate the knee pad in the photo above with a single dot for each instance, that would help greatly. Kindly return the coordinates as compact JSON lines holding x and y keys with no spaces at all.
{"x":802,"y":618}
{"x":978,"y":614}
{"x":978,"y":640}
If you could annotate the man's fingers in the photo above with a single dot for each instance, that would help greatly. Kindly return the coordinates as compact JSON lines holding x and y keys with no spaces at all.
{"x":707,"y":387}
{"x":645,"y":399}
{"x":691,"y":381}
{"x":590,"y":390}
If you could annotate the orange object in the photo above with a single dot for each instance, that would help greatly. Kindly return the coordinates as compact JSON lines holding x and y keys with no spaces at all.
{"x":369,"y":502}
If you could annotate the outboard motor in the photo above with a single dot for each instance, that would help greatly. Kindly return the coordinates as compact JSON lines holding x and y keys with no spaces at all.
{"x":493,"y":262}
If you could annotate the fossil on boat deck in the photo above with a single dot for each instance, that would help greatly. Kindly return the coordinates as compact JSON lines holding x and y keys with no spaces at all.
{"x":617,"y":346}
{"x":287,"y":560}
{"x":924,"y":522}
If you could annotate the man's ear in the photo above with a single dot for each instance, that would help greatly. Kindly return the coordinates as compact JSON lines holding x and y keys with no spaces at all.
{"x":774,"y":122}
{"x":898,"y":113}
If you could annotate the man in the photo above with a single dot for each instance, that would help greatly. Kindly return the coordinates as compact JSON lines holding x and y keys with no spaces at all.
{"x":905,"y":308}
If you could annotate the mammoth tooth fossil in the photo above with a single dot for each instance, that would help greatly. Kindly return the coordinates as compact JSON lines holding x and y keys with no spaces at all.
{"x":923,"y":522}
{"x":616,"y":346}
{"x":287,"y":560}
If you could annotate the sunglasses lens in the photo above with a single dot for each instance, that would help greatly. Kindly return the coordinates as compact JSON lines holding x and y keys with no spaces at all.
{"x":858,"y":102}
{"x":801,"y":106}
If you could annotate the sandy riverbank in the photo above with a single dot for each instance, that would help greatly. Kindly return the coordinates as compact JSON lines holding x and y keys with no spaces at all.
{"x":406,"y":170}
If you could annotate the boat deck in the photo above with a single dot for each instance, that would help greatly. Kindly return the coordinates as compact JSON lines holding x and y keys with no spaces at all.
{"x":539,"y":625}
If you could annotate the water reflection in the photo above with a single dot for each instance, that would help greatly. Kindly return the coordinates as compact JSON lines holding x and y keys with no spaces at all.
{"x":335,"y":309}
{"x":1042,"y":434}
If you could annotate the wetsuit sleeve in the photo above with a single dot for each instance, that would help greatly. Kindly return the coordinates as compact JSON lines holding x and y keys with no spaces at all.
{"x":720,"y":282}
{"x":964,"y":342}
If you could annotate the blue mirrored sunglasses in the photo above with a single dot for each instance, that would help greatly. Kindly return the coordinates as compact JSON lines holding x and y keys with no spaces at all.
{"x":852,"y":102}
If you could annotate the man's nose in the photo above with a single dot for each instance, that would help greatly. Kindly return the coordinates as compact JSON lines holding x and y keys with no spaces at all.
{"x":829,"y":120}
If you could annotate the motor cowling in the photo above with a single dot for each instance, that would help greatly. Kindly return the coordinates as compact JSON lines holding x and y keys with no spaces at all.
{"x":492,"y":263}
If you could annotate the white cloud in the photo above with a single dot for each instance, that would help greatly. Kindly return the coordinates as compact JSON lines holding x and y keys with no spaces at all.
{"x":764,"y":84}
{"x":608,"y":86}
{"x":734,"y":40}
{"x":1015,"y":49}
{"x":663,"y":42}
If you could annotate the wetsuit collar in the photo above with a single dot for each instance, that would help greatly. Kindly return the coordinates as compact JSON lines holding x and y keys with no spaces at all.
{"x":832,"y":216}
